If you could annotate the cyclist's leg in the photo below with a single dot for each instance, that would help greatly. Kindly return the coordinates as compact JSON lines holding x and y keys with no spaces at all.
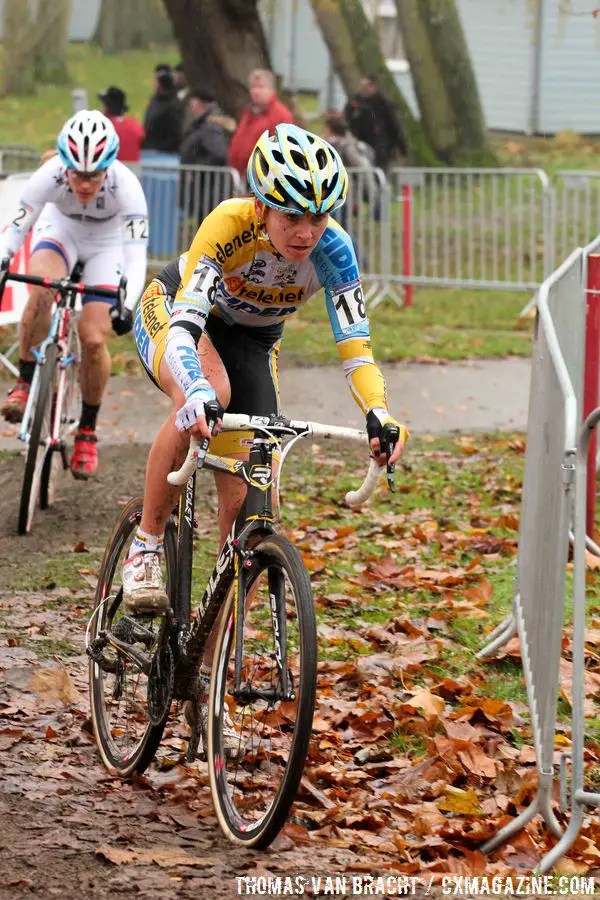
{"x":142,"y":578}
{"x":35,"y":321}
{"x":170,"y":445}
{"x":251,"y":363}
{"x":53,"y":254}
{"x":103,"y":268}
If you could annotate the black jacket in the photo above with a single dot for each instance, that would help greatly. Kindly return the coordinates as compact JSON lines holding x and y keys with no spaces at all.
{"x":375,"y":120}
{"x":206,"y":141}
{"x":163,"y":123}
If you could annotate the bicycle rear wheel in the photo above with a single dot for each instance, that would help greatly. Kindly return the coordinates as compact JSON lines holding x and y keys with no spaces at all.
{"x":39,"y":442}
{"x":127,"y":729}
{"x":254,"y":788}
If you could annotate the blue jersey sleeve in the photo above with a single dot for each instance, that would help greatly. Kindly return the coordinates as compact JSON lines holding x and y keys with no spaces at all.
{"x":336,"y":266}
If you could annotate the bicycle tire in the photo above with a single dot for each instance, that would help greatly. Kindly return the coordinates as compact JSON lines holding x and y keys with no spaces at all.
{"x":273,"y":552}
{"x":139,"y":758}
{"x":33,"y":466}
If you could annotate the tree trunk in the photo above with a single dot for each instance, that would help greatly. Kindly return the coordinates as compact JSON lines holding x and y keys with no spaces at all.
{"x":444,"y":81}
{"x":436,"y":113}
{"x":107,"y":33}
{"x":372,"y":62}
{"x":52,"y":39}
{"x":340,"y":44}
{"x":19,"y":40}
{"x":452,"y":54}
{"x":129,"y":24}
{"x":221,"y":42}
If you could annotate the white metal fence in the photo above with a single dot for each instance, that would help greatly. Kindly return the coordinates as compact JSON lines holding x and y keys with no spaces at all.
{"x":496,"y":229}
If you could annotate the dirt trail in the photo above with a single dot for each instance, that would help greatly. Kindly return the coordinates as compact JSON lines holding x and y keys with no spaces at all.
{"x":477,"y":395}
{"x":58,"y":805}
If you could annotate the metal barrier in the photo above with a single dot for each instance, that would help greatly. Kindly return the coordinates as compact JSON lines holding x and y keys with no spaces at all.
{"x":554,"y":414}
{"x":201,"y":188}
{"x":365,"y":216}
{"x":178,"y":198}
{"x":576,"y":213}
{"x":478,"y":228}
{"x":16,"y":158}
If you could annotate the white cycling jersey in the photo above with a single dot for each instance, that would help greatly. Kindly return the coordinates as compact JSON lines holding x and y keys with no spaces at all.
{"x":109,"y":235}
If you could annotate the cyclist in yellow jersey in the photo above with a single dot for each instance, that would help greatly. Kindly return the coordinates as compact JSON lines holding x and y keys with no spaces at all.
{"x":211,"y":323}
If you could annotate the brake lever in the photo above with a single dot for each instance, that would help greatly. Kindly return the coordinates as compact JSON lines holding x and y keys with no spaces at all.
{"x":213,"y":411}
{"x":388,"y":441}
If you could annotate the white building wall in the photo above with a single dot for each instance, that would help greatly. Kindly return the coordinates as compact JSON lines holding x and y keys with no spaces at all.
{"x":84,"y":17}
{"x":570,"y":69}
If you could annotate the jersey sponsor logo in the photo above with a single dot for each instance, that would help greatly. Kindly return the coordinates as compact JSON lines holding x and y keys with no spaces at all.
{"x":340,"y":254}
{"x":233,"y":283}
{"x":263,"y":295}
{"x":142,"y":340}
{"x":153,"y":323}
{"x":226,"y":251}
{"x":154,"y":289}
{"x":242,"y":306}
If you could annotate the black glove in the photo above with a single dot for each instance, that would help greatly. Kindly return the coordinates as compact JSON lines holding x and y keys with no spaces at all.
{"x":123,"y":323}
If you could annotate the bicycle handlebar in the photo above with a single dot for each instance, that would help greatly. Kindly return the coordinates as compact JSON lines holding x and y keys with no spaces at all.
{"x":276,"y":425}
{"x":63,"y":285}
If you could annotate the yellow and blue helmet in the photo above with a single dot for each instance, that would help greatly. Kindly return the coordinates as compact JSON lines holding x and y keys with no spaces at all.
{"x":296,"y":171}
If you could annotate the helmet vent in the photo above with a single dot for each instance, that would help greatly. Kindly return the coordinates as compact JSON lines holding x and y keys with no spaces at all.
{"x":300,"y":159}
{"x":321,"y":158}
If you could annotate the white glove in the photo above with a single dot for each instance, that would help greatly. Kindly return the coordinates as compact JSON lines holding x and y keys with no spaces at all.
{"x":194,"y":407}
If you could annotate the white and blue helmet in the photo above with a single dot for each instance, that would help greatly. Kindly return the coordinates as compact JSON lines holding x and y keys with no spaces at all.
{"x":296,"y":171}
{"x":88,"y":141}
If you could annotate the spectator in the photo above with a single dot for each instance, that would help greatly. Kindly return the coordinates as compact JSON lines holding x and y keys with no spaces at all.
{"x":205,"y":143}
{"x":181,"y":85}
{"x":129,"y":130}
{"x":163,"y":119}
{"x":263,"y":113}
{"x":373,"y":119}
{"x":355,"y":154}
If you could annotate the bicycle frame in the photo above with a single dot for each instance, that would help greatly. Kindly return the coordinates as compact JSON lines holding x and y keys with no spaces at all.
{"x":233,"y":565}
{"x":58,"y":333}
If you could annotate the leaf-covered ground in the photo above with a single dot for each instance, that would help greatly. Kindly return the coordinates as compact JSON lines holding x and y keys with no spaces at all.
{"x":419,"y":751}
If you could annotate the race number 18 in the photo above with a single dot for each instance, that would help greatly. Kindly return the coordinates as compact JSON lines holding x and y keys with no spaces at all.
{"x":350,"y":306}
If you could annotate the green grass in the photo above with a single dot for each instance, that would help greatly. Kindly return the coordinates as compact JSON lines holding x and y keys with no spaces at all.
{"x":63,"y":570}
{"x":442,"y":324}
{"x":36,"y":120}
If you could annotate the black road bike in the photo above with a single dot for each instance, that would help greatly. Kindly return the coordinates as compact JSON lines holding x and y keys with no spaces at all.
{"x":264,"y":666}
{"x":54,"y":405}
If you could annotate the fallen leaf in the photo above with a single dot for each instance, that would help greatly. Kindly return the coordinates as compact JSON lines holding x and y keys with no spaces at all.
{"x":52,"y":684}
{"x":428,"y":702}
{"x":464,"y":803}
{"x":161,"y":856}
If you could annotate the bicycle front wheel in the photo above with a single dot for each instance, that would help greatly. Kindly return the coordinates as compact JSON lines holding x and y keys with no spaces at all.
{"x":258,"y":736}
{"x":39,"y":442}
{"x":66,"y":411}
{"x":127,"y":733}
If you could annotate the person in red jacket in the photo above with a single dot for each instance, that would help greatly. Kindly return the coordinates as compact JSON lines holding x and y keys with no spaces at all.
{"x":263,"y":113}
{"x":130,"y":131}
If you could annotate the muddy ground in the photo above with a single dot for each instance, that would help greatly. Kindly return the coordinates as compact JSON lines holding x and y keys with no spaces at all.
{"x":68,"y":829}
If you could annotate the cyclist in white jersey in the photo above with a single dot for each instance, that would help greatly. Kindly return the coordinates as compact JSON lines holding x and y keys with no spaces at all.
{"x":84,"y":206}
